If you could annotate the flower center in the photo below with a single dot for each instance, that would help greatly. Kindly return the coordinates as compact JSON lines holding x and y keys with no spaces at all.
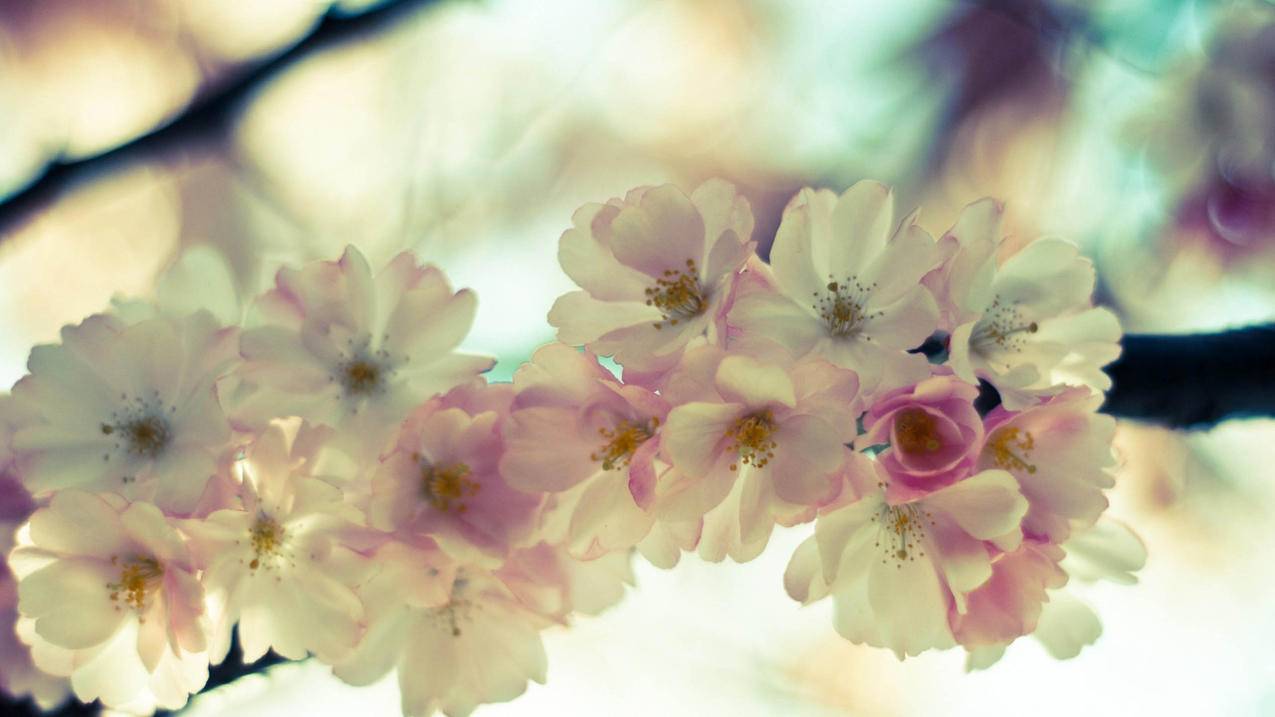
{"x":751,"y":439}
{"x":267,"y":537}
{"x":139,"y":577}
{"x":841,"y":308}
{"x":900,"y":529}
{"x":621,"y":442}
{"x":140,"y":426}
{"x":678,"y":295}
{"x":446,"y":488}
{"x":1010,"y":448}
{"x":1003,"y":328}
{"x":915,"y":432}
{"x":360,"y":377}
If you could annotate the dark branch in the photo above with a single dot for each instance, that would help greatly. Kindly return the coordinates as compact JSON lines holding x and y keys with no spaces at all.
{"x":1194,"y":380}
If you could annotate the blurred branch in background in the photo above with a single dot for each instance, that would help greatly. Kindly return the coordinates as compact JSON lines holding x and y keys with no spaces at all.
{"x":1194,"y":381}
{"x":205,"y":115}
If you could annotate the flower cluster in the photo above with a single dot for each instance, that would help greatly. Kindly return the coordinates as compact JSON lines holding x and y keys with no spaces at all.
{"x":323,"y":473}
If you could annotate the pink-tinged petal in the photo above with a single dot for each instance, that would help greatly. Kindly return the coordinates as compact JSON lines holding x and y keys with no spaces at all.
{"x":776,"y":318}
{"x":906,"y":322}
{"x":910,"y":605}
{"x":70,"y":602}
{"x":803,"y":578}
{"x":378,"y":651}
{"x":584,"y":251}
{"x":686,"y":498}
{"x":1048,"y":277}
{"x":606,"y":518}
{"x":182,"y":477}
{"x":826,"y":390}
{"x":1066,"y":626}
{"x":581,"y":319}
{"x":146,"y":526}
{"x":728,"y":226}
{"x":987,"y":505}
{"x":424,"y":326}
{"x":442,"y":374}
{"x":543,"y":451}
{"x":963,"y":561}
{"x":694,"y":433}
{"x":642,"y":474}
{"x":1009,"y":604}
{"x":280,"y":357}
{"x":78,"y":523}
{"x":840,"y":532}
{"x":861,"y":223}
{"x":558,"y":375}
{"x":907,"y":257}
{"x":660,"y":234}
{"x":799,"y":255}
{"x":742,"y":379}
{"x":809,"y":453}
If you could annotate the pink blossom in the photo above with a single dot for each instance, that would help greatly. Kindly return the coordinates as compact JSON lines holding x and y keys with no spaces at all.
{"x":848,"y":286}
{"x":284,"y":562}
{"x":897,"y":572}
{"x":934,"y":433}
{"x":338,"y":345}
{"x":125,"y":408}
{"x":654,"y":269}
{"x":1059,"y":451}
{"x":578,"y":433}
{"x":441,"y":478}
{"x":108,"y":596}
{"x":762,"y":439}
{"x":1009,"y":604}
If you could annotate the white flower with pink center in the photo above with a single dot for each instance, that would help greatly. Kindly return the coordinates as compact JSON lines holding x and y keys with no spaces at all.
{"x":753,"y":442}
{"x":897,"y":571}
{"x":655,"y":270}
{"x":108,"y":596}
{"x":578,"y":433}
{"x":338,"y":345}
{"x":847,"y":286}
{"x":1024,"y":321}
{"x":441,"y":480}
{"x":283,"y":564}
{"x":130,"y":409}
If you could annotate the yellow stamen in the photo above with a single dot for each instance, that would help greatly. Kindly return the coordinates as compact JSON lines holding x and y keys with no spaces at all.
{"x":751,"y":438}
{"x":1003,"y":445}
{"x":447,"y":487}
{"x":267,"y":538}
{"x":901,"y":529}
{"x":139,"y":577}
{"x":915,"y":432}
{"x":678,"y":295}
{"x":621,"y":442}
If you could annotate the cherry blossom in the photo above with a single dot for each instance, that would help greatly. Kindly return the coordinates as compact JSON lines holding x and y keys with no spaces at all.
{"x":580,"y":434}
{"x":761,"y":440}
{"x":125,"y":408}
{"x":441,"y":478}
{"x":896,"y":571}
{"x":655,"y":271}
{"x":933,"y":431}
{"x":1025,"y":321}
{"x":337,"y":345}
{"x":108,"y":596}
{"x":847,"y":286}
{"x":1059,"y":451}
{"x":283,"y":563}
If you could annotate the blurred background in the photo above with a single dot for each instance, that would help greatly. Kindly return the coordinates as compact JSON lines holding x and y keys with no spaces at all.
{"x":1143,"y":130}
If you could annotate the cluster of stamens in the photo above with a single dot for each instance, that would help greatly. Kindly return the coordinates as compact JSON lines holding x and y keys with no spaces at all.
{"x":267,"y":538}
{"x":1002,"y":327}
{"x":900,"y":529}
{"x":139,"y":577}
{"x":1010,"y":448}
{"x":363,"y":373}
{"x":841,"y":308}
{"x":751,"y":439}
{"x":447,"y":487}
{"x":140,"y":426}
{"x":915,"y":432}
{"x":620,"y":443}
{"x":678,"y":295}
